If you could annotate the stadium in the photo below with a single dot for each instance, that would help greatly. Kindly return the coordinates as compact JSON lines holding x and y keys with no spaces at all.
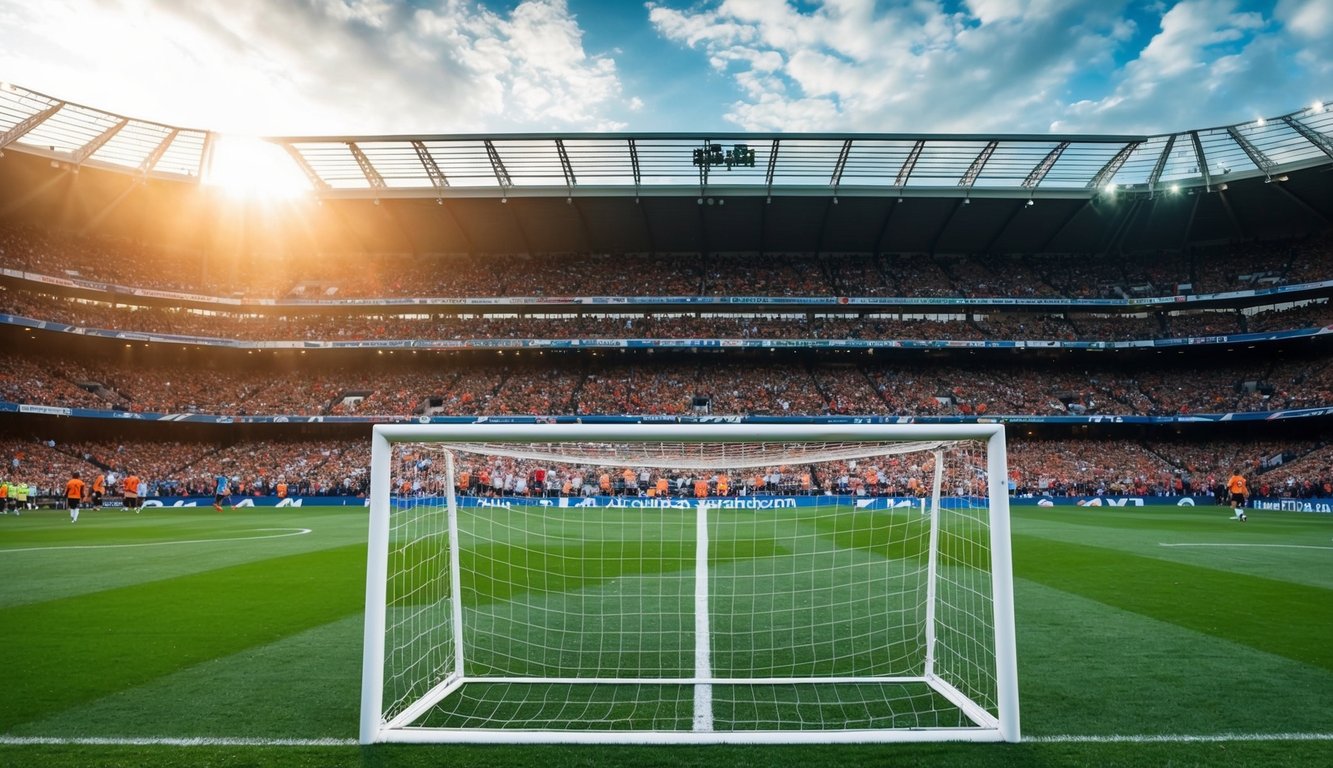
{"x":1145,"y":315}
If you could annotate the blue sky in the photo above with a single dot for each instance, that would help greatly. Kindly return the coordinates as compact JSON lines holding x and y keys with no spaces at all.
{"x":289,"y":67}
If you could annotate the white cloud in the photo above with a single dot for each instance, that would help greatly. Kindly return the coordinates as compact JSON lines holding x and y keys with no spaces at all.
{"x":322,"y":66}
{"x":912,"y":66}
{"x":1310,"y":19}
{"x":1209,"y":63}
{"x":1004,"y":65}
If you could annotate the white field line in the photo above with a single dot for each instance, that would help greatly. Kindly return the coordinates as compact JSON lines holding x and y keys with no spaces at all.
{"x":225,"y":741}
{"x":1177,"y":738}
{"x":288,"y":532}
{"x":1238,"y":544}
{"x":169,"y":741}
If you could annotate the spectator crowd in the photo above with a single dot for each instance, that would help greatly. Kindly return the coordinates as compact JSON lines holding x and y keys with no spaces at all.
{"x":448,"y":385}
{"x":368,"y":275}
{"x":1056,"y":468}
{"x":717,"y":384}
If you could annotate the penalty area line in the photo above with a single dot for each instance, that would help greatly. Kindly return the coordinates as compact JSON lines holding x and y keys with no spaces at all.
{"x":286,"y":532}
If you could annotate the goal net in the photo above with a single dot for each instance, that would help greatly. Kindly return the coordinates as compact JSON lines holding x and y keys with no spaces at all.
{"x":689,"y":583}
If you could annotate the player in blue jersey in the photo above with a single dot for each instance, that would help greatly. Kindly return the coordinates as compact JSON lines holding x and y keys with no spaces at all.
{"x":222,"y":491}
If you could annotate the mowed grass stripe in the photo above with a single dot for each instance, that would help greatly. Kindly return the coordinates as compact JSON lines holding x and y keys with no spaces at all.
{"x":1280,"y":617}
{"x":69,"y":651}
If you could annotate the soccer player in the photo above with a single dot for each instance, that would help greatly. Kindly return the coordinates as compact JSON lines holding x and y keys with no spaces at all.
{"x":222,"y":491}
{"x":131,"y":492}
{"x":20,"y":496}
{"x":1239,"y":490}
{"x":99,"y":489}
{"x":74,"y":492}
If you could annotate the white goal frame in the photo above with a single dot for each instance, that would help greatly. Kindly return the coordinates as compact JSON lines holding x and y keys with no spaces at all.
{"x":1003,"y":726}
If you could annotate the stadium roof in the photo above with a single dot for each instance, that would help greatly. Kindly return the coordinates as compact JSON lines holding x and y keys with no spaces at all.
{"x":714,"y":164}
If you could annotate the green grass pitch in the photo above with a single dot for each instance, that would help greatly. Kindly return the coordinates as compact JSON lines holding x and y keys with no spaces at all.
{"x":1155,"y":635}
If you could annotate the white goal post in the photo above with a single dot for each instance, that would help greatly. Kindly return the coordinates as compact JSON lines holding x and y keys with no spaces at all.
{"x":656,"y":583}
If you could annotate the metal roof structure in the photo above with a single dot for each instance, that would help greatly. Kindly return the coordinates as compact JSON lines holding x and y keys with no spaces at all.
{"x":712,"y":164}
{"x":80,"y":135}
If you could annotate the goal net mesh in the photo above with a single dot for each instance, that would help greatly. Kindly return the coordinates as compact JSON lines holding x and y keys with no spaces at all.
{"x":578,"y":589}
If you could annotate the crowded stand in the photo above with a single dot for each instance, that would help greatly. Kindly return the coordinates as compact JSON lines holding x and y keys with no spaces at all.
{"x":1155,"y":274}
{"x":1115,"y":327}
{"x":718,"y":384}
{"x":874,"y":327}
{"x":360,"y":275}
{"x":1318,"y":314}
{"x":1303,"y":476}
{"x":173,"y":468}
{"x":723,"y":385}
{"x":1059,"y":468}
{"x":1000,"y":277}
{"x":1214,"y":323}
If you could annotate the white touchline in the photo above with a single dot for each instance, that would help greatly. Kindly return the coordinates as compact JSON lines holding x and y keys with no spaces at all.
{"x":1238,"y":544}
{"x":289,"y":532}
{"x":244,"y":741}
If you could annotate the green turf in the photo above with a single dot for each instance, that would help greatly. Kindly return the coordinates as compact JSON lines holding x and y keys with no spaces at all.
{"x":232,"y":635}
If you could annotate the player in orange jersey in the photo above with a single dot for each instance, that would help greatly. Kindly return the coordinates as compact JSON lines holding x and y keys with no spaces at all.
{"x":1240,"y":492}
{"x":130,"y":489}
{"x":75,"y":489}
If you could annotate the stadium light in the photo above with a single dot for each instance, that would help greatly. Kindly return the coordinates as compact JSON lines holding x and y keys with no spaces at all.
{"x":1174,"y":188}
{"x":1318,"y":106}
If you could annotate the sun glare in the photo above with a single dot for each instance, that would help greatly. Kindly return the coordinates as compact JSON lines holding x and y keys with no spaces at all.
{"x":248,"y":167}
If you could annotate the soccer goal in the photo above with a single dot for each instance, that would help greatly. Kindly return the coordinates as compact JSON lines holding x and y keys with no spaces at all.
{"x":683,"y":583}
